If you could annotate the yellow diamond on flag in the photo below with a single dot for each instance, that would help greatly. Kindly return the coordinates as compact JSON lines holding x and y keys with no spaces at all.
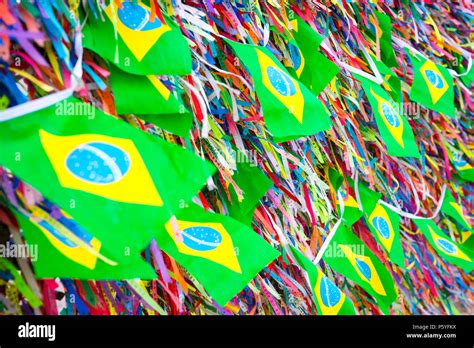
{"x":380,"y":221}
{"x":365,"y":269}
{"x":281,"y":85}
{"x":208,"y":240}
{"x":447,"y":247}
{"x":329,"y":296}
{"x":52,"y":230}
{"x":437,"y":85}
{"x":390,"y":117}
{"x":101,"y":165}
{"x":132,"y":20}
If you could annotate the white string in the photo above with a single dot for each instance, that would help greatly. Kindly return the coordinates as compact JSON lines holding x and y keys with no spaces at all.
{"x":403,"y":44}
{"x":413,"y":216}
{"x":222,"y":71}
{"x":377,"y":78}
{"x":332,"y":233}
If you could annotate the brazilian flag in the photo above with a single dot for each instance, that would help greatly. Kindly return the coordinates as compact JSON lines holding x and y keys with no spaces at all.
{"x":391,"y":83}
{"x":290,"y":110}
{"x":453,"y":209}
{"x":61,"y":256}
{"x":349,"y":256}
{"x":394,"y":128}
{"x":368,"y":197}
{"x":330,"y":300}
{"x":311,"y":67}
{"x":385,"y":226}
{"x":382,"y":29}
{"x":351,"y":213}
{"x":254,"y":185}
{"x":464,"y":169}
{"x":445,"y":247}
{"x":111,"y":178}
{"x":382,"y":222}
{"x":223,"y":254}
{"x":148,"y":98}
{"x":432,"y":85}
{"x":139,"y":43}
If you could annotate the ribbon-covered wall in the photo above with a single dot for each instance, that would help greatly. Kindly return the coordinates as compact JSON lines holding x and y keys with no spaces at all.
{"x":236,"y":157}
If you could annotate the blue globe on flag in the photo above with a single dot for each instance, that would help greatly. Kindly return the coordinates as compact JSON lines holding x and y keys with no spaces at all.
{"x":136,"y":17}
{"x":201,"y":238}
{"x":98,"y":163}
{"x":282,"y":83}
{"x":434,"y":78}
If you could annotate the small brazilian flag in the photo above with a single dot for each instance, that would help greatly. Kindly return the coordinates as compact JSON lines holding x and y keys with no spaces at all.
{"x":136,"y":41}
{"x":311,"y":67}
{"x":391,"y":82}
{"x":352,"y":213}
{"x":382,"y":222}
{"x":223,"y":254}
{"x":444,"y":246}
{"x":393,"y":127}
{"x":457,"y":64}
{"x":254,"y":184}
{"x":349,"y":256}
{"x":61,"y":257}
{"x":330,"y":300}
{"x":452,"y":208}
{"x":149,"y":98}
{"x":468,"y":242}
{"x":464,"y":169}
{"x":368,"y":197}
{"x":290,"y":110}
{"x":110,"y":177}
{"x":384,"y":32}
{"x":432,"y":85}
{"x":385,"y":226}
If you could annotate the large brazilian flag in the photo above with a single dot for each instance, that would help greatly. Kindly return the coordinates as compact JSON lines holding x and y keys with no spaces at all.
{"x":116,"y":181}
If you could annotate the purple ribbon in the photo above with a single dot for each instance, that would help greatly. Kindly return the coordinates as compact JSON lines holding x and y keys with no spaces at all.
{"x":158,"y":257}
{"x":23,"y":34}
